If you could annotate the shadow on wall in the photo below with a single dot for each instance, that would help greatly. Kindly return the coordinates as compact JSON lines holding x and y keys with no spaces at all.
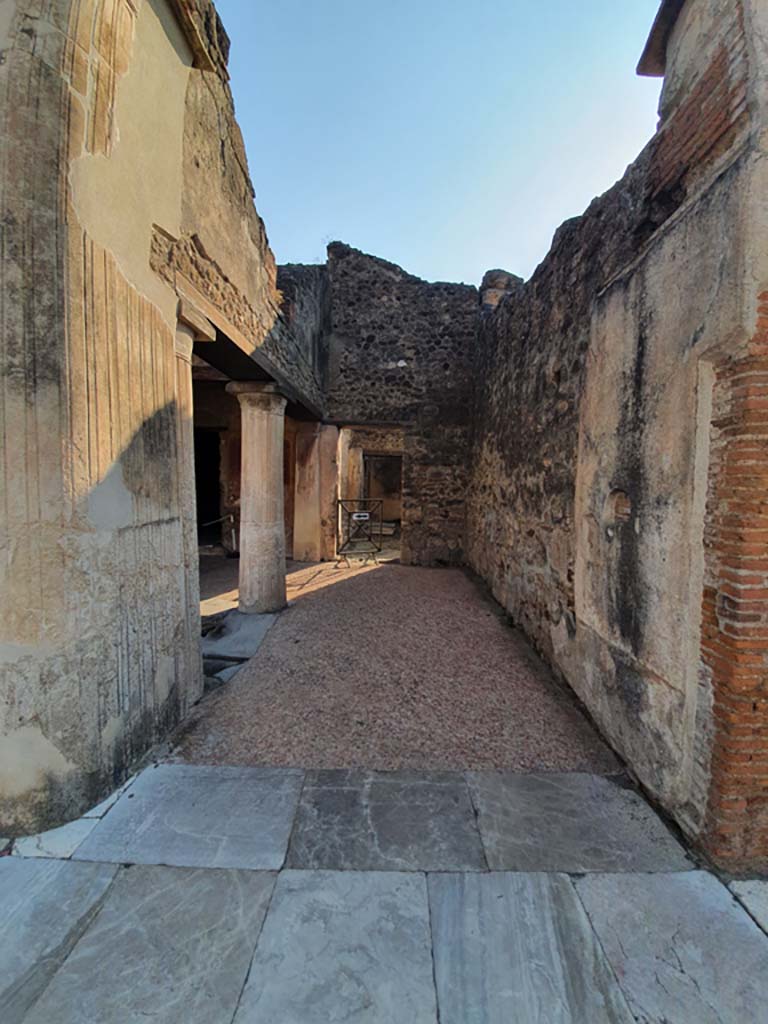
{"x":115,"y":663}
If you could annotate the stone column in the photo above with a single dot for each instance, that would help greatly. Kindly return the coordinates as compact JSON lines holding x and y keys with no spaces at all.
{"x":262,"y":523}
{"x":314,"y":522}
{"x":350,"y":467}
{"x":329,"y":490}
{"x":185,"y":476}
{"x":306,"y":509}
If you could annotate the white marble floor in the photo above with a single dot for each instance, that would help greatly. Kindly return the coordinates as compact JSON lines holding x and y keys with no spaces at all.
{"x":277,"y":896}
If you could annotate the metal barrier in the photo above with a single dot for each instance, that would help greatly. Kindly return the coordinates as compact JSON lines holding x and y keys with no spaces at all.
{"x":224,"y":519}
{"x":359,"y":526}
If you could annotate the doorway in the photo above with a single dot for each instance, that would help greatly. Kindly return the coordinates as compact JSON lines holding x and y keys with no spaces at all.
{"x":208,"y":486}
{"x":383,"y":480}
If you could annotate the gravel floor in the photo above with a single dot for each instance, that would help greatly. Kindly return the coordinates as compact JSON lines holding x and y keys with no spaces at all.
{"x":392,"y":667}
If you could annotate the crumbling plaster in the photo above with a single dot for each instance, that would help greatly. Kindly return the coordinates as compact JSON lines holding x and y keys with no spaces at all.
{"x":564,"y":435}
{"x":119,"y":196}
{"x":638,"y":583}
{"x":593,"y":413}
{"x":100,"y":625}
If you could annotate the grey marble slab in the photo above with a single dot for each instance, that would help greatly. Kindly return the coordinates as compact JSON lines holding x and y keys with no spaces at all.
{"x":236,"y":635}
{"x":192,"y":816}
{"x":228,"y":673}
{"x":570,"y":822}
{"x":754,"y":896}
{"x":59,"y":843}
{"x":518,"y":947}
{"x":343,"y":946}
{"x":170,"y":945}
{"x":385,"y":821}
{"x":683,"y":949}
{"x":45,"y":906}
{"x":109,"y":802}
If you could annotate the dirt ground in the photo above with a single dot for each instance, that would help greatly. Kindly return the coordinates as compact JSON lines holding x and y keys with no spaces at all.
{"x":393,"y":667}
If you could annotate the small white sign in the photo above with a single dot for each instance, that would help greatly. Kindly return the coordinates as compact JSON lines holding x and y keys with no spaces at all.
{"x":361,"y":517}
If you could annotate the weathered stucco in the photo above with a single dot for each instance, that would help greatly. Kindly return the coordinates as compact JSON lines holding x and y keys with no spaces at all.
{"x":101,"y":105}
{"x":592,"y":441}
{"x":119,"y":191}
{"x":590,"y":468}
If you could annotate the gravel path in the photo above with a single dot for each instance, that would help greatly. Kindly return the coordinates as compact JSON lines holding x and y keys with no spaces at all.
{"x":392,"y":667}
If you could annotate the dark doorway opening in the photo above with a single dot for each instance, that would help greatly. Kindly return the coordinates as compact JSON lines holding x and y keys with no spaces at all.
{"x":208,"y":486}
{"x":383,"y":475}
{"x":383,"y":479}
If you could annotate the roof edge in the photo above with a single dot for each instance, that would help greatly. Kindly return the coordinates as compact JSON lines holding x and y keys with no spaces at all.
{"x":653,"y":63}
{"x":205,"y":34}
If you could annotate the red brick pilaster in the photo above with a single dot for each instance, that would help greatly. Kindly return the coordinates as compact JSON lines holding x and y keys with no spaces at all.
{"x":735,"y":607}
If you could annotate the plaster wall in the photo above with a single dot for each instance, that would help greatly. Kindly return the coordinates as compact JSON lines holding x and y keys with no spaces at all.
{"x":136,"y":179}
{"x":101,"y":102}
{"x":645,"y":420}
{"x":591,"y":471}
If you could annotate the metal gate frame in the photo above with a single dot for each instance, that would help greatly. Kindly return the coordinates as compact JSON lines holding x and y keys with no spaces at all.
{"x":359,"y":520}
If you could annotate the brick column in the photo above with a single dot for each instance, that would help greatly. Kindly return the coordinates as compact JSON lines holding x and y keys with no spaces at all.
{"x":735,"y":607}
{"x":262,"y":522}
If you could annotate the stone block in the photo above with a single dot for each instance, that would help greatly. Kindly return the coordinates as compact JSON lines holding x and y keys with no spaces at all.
{"x":754,"y":896}
{"x":570,"y":822}
{"x":56,"y":842}
{"x":683,"y":949}
{"x":518,"y":947}
{"x":192,"y":816}
{"x":45,"y":906}
{"x":386,"y":821}
{"x":172,"y":945}
{"x":236,"y":635}
{"x":343,"y":946}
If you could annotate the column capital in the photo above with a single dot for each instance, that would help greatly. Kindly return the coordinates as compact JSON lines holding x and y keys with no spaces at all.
{"x":184,"y":342}
{"x":257,"y":395}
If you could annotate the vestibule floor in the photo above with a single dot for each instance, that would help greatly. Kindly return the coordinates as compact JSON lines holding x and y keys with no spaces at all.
{"x":390,"y":667}
{"x":237,"y":895}
{"x":499,"y":869}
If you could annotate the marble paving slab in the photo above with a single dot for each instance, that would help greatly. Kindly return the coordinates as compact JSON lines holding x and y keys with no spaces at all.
{"x":228,"y":673}
{"x":518,"y":947}
{"x":45,"y":906}
{"x":343,"y":946}
{"x":56,"y":842}
{"x":192,"y":816}
{"x":170,"y":945}
{"x":683,"y":949}
{"x":754,"y":896}
{"x":385,"y":821}
{"x":570,"y":822}
{"x":109,"y":802}
{"x":236,"y":635}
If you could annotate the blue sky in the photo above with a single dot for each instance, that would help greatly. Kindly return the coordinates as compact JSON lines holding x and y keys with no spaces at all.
{"x":449,"y":137}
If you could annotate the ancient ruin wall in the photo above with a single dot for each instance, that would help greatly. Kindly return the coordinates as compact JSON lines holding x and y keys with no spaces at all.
{"x":593,"y":428}
{"x":400,"y":354}
{"x":118,"y":129}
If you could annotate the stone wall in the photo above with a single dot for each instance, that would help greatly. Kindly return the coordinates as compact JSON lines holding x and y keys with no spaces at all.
{"x":400,"y":354}
{"x":354,"y":442}
{"x":118,"y":132}
{"x":305,"y":319}
{"x":596,"y":464}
